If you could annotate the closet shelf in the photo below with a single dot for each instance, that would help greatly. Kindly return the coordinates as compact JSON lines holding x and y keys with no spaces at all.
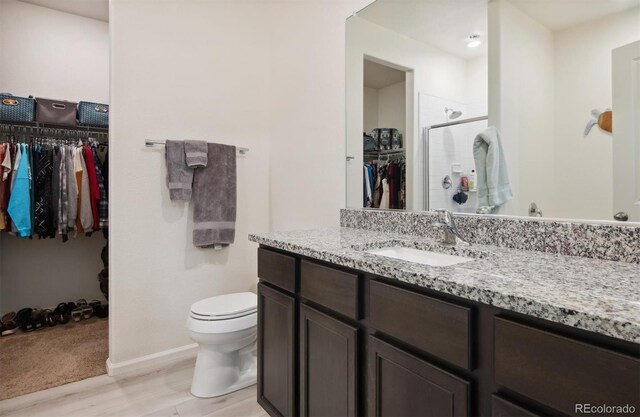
{"x":385,"y":151}
{"x":40,"y":125}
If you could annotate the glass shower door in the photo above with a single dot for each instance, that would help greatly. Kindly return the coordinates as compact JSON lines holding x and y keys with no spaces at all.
{"x":449,"y":158}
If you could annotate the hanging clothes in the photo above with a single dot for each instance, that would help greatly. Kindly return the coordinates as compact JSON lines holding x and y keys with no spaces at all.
{"x":384,"y":184}
{"x":20,"y":201}
{"x":50,"y":188}
{"x":5,"y":167}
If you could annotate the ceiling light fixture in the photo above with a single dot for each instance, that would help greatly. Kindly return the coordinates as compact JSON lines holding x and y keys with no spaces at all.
{"x":473,"y":41}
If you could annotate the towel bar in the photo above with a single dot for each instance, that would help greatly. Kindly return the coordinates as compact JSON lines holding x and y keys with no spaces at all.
{"x":150,"y":143}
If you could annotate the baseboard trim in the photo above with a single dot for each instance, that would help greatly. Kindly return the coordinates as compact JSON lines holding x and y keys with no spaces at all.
{"x":152,"y":362}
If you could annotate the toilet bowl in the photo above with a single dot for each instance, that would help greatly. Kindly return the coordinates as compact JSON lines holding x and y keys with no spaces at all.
{"x":225,"y":328}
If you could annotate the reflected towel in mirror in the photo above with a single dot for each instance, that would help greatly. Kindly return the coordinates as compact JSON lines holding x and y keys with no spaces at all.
{"x":493,"y":185}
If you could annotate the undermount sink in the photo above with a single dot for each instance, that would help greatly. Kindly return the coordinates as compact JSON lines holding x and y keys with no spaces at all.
{"x":420,"y":256}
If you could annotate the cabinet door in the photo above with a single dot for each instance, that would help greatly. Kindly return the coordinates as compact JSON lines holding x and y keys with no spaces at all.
{"x":401,"y":384}
{"x":328,"y":349}
{"x":276,"y":351}
{"x":501,"y":407}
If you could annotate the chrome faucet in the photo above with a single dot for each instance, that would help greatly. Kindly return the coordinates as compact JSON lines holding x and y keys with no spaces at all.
{"x":448,"y":225}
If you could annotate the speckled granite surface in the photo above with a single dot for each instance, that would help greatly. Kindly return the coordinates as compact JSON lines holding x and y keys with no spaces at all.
{"x":612,"y":242}
{"x":590,"y":294}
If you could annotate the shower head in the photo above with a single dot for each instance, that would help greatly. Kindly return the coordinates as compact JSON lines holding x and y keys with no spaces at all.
{"x":451,"y":113}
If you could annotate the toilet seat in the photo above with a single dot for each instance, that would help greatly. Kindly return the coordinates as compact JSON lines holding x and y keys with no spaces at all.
{"x":225,"y":307}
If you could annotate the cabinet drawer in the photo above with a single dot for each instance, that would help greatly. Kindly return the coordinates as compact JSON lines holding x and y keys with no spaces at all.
{"x":277,"y":269}
{"x":501,"y":407}
{"x":401,"y":384}
{"x":331,"y":288}
{"x":561,"y":372}
{"x":433,"y":325}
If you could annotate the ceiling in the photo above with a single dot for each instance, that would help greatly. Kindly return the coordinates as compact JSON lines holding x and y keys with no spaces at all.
{"x":94,"y":9}
{"x":379,"y":76}
{"x":446,"y":24}
{"x":559,"y":15}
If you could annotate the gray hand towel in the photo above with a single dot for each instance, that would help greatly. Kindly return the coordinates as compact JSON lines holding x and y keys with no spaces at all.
{"x":196,"y":152}
{"x":214,"y":198}
{"x":179,"y":175}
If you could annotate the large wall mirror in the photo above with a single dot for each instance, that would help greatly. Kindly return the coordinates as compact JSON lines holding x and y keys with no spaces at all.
{"x":516,"y":107}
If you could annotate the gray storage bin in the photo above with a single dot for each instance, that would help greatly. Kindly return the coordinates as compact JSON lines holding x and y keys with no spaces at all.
{"x":58,"y":112}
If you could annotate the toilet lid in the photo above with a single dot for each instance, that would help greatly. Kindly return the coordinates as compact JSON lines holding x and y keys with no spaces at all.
{"x":226,"y":306}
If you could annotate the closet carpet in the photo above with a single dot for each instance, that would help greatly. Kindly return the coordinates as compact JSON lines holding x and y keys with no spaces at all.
{"x":53,"y":356}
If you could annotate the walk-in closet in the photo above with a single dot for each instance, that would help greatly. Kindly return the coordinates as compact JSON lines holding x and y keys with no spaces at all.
{"x":54,"y":193}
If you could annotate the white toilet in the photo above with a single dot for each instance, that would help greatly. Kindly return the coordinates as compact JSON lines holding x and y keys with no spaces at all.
{"x":225,"y":328}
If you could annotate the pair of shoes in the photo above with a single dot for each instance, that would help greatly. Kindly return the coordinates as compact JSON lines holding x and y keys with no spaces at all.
{"x":62,"y":313}
{"x":50,"y":319}
{"x":99,"y":309}
{"x":82,"y":310}
{"x":30,"y":319}
{"x":8,"y":324}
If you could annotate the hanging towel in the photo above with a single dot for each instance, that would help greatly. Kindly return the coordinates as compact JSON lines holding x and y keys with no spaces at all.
{"x":214,"y":198}
{"x":196,"y":153}
{"x":179,"y":175}
{"x":493,"y":180}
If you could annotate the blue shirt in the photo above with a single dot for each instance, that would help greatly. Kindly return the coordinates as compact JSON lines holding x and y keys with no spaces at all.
{"x":20,"y":201}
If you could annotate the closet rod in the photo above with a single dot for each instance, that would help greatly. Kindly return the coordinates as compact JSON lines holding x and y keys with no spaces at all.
{"x":150,"y":143}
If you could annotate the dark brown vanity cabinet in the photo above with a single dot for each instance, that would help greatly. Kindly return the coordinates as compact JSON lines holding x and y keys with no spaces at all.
{"x":337,"y":342}
{"x":328,"y":365}
{"x":276,"y":351}
{"x":401,"y":384}
{"x":505,"y":408}
{"x":562,"y":372}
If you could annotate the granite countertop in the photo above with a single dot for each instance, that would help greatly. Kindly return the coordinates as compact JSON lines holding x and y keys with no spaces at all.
{"x":594,"y":295}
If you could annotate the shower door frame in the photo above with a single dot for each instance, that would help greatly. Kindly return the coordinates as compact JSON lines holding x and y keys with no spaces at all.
{"x":426,"y":151}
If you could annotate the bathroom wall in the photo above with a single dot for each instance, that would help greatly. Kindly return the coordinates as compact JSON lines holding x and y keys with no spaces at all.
{"x":308,"y":111}
{"x":172,"y":83}
{"x":543,"y":88}
{"x":477,"y":83}
{"x":584,"y":165}
{"x":521,"y":83}
{"x":370,"y":109}
{"x":391,"y":107}
{"x":282,"y":96}
{"x":47,"y":53}
{"x":385,"y":107}
{"x":432,"y":71}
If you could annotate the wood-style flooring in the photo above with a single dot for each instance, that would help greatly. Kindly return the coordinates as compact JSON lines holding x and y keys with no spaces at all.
{"x":162,"y":393}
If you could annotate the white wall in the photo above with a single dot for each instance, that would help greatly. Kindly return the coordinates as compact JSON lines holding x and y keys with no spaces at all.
{"x":521,"y":83}
{"x":385,"y":107}
{"x":308,"y":111}
{"x":584,"y":166}
{"x":431,"y":71}
{"x":543,"y":87}
{"x":370,"y":109}
{"x":391,"y":107}
{"x":180,"y":70}
{"x":248,"y":82}
{"x":47,"y":53}
{"x":477,"y":83}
